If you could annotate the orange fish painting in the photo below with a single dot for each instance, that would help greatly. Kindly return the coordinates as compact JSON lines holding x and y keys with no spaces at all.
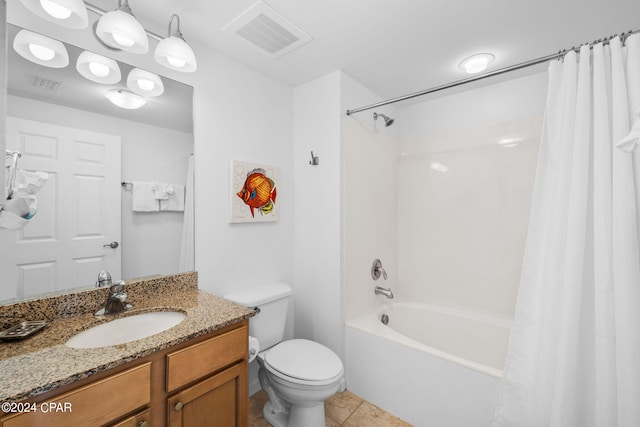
{"x":258,"y":192}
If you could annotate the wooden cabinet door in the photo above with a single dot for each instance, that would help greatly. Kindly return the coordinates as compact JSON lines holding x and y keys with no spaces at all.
{"x":218,"y":401}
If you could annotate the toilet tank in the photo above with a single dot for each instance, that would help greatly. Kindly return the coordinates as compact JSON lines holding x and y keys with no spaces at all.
{"x":273,"y":300}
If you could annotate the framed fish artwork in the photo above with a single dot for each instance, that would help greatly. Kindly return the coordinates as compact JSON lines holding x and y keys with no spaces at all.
{"x":254,"y":192}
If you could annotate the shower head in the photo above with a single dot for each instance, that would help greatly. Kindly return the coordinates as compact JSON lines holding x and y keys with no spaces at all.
{"x":387,"y":120}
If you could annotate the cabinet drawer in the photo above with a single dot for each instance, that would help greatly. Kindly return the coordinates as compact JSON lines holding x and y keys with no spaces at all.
{"x":142,"y":419}
{"x":199,"y":360}
{"x":93,"y":404}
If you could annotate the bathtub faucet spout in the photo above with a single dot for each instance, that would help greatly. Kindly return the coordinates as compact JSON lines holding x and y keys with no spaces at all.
{"x":379,"y":290}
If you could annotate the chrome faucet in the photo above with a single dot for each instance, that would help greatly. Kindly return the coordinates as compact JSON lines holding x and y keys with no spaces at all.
{"x":117,"y":300}
{"x":379,"y":290}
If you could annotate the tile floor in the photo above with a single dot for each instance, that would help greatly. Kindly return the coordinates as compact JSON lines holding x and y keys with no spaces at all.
{"x":342,"y":409}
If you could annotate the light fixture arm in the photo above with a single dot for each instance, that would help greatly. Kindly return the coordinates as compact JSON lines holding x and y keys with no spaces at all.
{"x":123,"y":6}
{"x":177,"y":32}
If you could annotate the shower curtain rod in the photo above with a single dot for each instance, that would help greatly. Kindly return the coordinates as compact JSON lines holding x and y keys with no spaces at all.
{"x":487,"y":75}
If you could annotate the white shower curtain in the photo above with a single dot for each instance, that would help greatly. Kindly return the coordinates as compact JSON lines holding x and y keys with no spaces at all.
{"x":574,"y":355}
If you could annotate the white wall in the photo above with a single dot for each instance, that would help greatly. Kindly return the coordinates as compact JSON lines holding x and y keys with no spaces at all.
{"x":461,"y":233}
{"x":334,"y":244}
{"x":242,"y":115}
{"x":317,"y":215}
{"x":520,"y":97}
{"x":150,"y":241}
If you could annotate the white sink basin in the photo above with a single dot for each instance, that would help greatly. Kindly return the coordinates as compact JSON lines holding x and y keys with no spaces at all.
{"x":126,"y":329}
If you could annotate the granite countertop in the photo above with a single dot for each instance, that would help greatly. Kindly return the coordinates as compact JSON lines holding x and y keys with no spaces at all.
{"x":42,"y":362}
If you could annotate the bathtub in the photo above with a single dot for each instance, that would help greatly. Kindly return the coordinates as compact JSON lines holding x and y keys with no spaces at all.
{"x":431,"y":365}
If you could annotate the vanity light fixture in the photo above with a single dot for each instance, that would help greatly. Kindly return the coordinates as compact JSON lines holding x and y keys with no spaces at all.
{"x":173,"y":52}
{"x":145,"y":83}
{"x":98,"y":68}
{"x":40,"y":49}
{"x":125,"y":99}
{"x":119,"y":29}
{"x":476,"y":63}
{"x":68,"y":13}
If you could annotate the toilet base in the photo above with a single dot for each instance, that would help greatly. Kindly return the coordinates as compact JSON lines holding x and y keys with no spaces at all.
{"x":275,"y":418}
{"x":280,"y":413}
{"x":308,"y":416}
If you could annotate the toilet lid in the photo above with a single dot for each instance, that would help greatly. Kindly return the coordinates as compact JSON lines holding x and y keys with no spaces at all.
{"x":305,"y":360}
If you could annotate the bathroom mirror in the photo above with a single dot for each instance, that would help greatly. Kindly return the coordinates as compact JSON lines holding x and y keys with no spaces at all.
{"x":156,"y":146}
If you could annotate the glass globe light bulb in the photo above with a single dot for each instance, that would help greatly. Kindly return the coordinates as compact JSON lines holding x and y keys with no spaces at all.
{"x":54,"y":9}
{"x":41,"y":52}
{"x":99,"y":69}
{"x":123,"y":40}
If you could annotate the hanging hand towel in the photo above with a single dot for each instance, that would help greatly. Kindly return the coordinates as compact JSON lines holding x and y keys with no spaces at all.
{"x":632,"y":140}
{"x":143,"y":197}
{"x":175,"y":201}
{"x":162,"y":191}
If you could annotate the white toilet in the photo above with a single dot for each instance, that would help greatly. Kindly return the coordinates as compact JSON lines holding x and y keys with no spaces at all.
{"x":298,"y":375}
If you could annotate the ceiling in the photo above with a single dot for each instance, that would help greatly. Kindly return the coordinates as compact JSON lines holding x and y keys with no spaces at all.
{"x":393,"y":48}
{"x":402,"y":46}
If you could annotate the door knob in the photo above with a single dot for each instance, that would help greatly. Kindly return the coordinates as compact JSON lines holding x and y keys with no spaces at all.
{"x":178,"y":406}
{"x":111,"y":245}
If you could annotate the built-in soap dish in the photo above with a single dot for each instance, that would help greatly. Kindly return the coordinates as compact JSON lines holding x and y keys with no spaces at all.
{"x":22,"y":330}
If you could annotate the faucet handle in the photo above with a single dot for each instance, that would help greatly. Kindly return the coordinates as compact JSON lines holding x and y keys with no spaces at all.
{"x":377,"y":270}
{"x":104,"y":279}
{"x":117,"y":287}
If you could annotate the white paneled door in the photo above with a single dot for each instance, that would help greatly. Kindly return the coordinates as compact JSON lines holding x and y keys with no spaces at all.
{"x":66,"y":243}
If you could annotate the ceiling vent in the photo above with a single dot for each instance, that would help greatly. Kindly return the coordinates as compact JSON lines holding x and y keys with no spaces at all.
{"x":267,"y":30}
{"x":46,"y":84}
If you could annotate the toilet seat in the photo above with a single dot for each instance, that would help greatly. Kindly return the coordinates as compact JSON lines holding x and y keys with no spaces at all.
{"x":302,"y":361}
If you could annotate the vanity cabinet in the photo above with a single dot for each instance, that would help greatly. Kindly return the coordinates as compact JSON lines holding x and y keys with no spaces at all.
{"x":199,"y":383}
{"x":215,"y":400}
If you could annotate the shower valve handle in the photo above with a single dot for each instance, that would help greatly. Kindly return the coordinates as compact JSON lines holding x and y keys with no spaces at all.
{"x":377,"y":270}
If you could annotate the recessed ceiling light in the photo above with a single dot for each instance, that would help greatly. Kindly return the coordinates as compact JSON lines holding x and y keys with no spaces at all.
{"x":125,"y":99}
{"x":476,"y":63}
